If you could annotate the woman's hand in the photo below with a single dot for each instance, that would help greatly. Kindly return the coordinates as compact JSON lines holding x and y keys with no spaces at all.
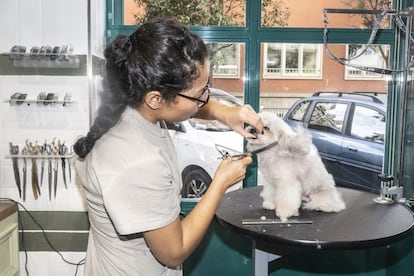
{"x":236,"y":117}
{"x":233,"y":116}
{"x":231,"y":170}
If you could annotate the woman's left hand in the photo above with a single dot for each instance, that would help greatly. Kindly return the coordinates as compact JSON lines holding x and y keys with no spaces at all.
{"x":236,"y":117}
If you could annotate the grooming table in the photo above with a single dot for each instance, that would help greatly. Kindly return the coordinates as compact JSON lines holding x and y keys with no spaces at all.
{"x":363,"y":224}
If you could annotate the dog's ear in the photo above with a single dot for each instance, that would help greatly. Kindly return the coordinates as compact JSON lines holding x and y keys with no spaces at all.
{"x":283,"y":139}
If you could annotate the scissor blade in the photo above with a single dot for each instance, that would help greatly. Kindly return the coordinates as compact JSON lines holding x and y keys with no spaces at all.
{"x":256,"y":151}
{"x":17,"y":175}
{"x":49,"y":171}
{"x":42,"y":170}
{"x":64,"y":172}
{"x":69,"y":171}
{"x":55,"y":177}
{"x":35,"y":180}
{"x":268,"y":146}
{"x":24,"y":178}
{"x":55,"y":184}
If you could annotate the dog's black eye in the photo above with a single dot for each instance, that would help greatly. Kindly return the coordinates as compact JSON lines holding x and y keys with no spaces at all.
{"x":265,"y":128}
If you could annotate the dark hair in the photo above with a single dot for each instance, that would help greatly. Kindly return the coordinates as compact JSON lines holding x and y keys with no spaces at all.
{"x":161,"y":55}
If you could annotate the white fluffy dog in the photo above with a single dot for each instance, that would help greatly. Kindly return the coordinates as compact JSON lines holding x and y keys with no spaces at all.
{"x":294,"y":171}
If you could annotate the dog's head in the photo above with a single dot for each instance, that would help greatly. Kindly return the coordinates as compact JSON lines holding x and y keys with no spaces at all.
{"x":275,"y":129}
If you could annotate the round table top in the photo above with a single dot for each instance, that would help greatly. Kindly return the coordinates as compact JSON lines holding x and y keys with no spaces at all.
{"x":364,"y":223}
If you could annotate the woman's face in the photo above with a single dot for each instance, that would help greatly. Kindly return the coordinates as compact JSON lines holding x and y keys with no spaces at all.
{"x":185,"y":104}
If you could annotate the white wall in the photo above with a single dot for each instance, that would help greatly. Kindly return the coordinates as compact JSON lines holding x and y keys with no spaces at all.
{"x":36,"y":23}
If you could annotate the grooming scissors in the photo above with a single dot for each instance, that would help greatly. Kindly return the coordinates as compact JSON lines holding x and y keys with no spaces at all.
{"x":226,"y":152}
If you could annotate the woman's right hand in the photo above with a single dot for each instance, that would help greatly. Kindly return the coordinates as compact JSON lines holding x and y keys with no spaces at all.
{"x":230,"y":171}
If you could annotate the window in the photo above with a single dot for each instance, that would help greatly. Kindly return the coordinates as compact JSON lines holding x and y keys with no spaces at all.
{"x":225,"y":59}
{"x":328,"y":117}
{"x":277,"y":54}
{"x":196,"y":13}
{"x":300,"y":112}
{"x":300,"y":61}
{"x":375,"y":56}
{"x":308,"y":14}
{"x":368,"y":124}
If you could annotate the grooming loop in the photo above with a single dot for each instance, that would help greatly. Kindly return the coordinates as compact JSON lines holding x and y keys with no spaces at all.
{"x":398,"y":21}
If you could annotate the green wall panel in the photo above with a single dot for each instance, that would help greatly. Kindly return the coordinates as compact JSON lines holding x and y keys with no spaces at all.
{"x":220,"y":253}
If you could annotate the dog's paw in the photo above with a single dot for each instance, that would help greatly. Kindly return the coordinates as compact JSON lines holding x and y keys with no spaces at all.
{"x":283,"y":219}
{"x":285,"y":213}
{"x":268,"y":205}
{"x":333,"y":206}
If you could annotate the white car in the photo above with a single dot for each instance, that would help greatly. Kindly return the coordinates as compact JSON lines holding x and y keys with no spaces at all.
{"x":196,"y":140}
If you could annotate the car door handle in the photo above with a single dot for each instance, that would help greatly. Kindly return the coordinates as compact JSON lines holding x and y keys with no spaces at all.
{"x":352,"y":148}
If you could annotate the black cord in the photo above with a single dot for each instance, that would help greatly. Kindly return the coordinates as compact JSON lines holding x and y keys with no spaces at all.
{"x":81,"y":262}
{"x":23,"y":246}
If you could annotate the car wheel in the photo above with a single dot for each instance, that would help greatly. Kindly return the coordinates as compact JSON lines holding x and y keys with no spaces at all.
{"x":195,"y":182}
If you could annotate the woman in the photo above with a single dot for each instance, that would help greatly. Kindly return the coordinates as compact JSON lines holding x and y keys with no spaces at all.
{"x":128,"y":163}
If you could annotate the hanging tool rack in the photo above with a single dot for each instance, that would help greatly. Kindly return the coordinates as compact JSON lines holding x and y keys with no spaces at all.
{"x":43,"y":161}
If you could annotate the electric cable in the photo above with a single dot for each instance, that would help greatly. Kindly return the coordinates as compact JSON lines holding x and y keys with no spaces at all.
{"x":81,"y":262}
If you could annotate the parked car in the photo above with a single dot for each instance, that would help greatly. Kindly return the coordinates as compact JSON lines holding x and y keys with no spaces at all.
{"x":195,"y":141}
{"x":348,"y":129}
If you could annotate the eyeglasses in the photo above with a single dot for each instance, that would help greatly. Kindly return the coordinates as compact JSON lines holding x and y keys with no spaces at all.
{"x":202,"y":100}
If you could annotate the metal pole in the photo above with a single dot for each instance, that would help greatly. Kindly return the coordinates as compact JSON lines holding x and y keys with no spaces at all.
{"x":403,"y":97}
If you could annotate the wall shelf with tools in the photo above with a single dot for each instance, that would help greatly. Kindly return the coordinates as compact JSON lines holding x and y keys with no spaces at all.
{"x":43,"y":99}
{"x":43,"y":160}
{"x":52,"y":113}
{"x":42,"y":64}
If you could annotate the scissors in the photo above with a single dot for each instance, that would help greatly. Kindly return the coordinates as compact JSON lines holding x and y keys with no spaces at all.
{"x":14,"y":150}
{"x":226,"y":152}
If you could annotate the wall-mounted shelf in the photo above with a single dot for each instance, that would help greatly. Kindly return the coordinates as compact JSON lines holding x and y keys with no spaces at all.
{"x":70,"y":67}
{"x":39,"y":102}
{"x":38,"y":61}
{"x":42,"y":156}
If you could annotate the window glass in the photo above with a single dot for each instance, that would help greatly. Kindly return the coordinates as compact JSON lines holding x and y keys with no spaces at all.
{"x":368,"y":124}
{"x":328,"y":117}
{"x":300,"y":111}
{"x":284,"y":60}
{"x":407,"y":159}
{"x":225,"y":59}
{"x":227,"y":62}
{"x":275,"y":13}
{"x":196,"y":13}
{"x":374,"y":56}
{"x":291,"y":71}
{"x":305,"y":13}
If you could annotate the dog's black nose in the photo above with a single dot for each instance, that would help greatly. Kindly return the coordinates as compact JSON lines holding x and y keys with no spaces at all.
{"x":253,"y":131}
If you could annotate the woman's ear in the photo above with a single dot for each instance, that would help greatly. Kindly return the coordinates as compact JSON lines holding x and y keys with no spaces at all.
{"x":153,"y":99}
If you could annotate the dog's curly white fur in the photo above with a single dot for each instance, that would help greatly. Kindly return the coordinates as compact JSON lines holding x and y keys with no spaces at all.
{"x":294,"y":171}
